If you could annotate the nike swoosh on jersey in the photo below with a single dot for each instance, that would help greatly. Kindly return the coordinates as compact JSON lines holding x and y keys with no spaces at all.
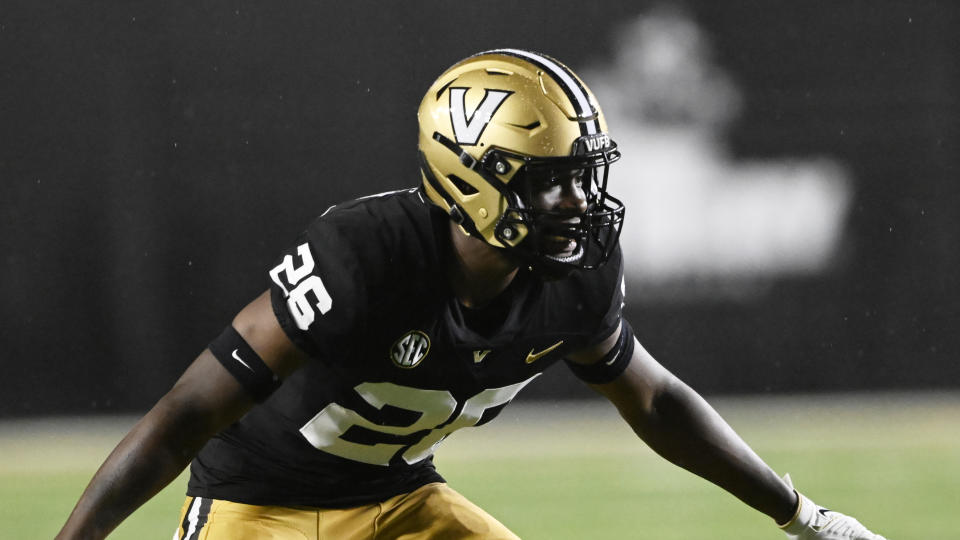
{"x":533,"y":357}
{"x":478,"y":356}
{"x":238,"y":359}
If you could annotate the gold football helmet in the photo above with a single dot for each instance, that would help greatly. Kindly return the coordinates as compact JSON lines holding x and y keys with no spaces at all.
{"x":498,"y":116}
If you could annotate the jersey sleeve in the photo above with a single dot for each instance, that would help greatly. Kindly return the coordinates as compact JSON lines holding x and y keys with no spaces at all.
{"x":317,"y":288}
{"x":343,"y":270}
{"x":612,"y":291}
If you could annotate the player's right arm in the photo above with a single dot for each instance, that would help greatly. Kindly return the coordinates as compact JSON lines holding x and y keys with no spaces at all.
{"x":205,"y":400}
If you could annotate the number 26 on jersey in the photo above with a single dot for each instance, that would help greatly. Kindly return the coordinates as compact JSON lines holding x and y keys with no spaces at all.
{"x":299,"y":284}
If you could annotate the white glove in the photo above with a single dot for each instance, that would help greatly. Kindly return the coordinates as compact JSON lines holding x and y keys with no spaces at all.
{"x":814,"y":522}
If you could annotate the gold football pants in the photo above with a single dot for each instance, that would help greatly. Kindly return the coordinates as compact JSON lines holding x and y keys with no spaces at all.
{"x":434,"y":511}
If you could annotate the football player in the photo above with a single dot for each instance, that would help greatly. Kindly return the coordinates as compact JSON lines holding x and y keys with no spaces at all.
{"x":397,"y":319}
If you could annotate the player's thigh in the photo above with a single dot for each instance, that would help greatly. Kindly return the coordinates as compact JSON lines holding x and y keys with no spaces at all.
{"x":437,"y":511}
{"x":211,"y":519}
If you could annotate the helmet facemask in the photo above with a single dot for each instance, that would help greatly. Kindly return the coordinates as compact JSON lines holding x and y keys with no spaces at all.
{"x":561,"y":240}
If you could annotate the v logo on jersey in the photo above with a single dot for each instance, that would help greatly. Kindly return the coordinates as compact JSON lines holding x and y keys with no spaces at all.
{"x":467,"y":131}
{"x":533,"y":357}
{"x":478,"y":356}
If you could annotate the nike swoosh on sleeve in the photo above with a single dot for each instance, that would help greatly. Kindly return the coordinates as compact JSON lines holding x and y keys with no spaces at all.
{"x":238,"y":359}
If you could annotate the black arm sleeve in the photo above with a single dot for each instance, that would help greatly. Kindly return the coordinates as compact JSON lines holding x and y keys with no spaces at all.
{"x":239,"y":358}
{"x":612,"y":364}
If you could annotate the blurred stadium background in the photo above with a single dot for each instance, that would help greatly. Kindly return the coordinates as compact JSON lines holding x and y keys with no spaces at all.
{"x":791,"y":175}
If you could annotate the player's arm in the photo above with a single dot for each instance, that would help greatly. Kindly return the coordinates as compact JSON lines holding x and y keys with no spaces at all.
{"x":682,"y":427}
{"x":206,"y":399}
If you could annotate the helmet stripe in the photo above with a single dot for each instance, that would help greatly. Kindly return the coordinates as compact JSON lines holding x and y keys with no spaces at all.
{"x":568,"y":82}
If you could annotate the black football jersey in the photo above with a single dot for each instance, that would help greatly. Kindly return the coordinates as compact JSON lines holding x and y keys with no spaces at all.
{"x":398,"y":364}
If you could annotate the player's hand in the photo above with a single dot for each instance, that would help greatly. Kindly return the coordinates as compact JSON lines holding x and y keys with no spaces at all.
{"x":814,"y":522}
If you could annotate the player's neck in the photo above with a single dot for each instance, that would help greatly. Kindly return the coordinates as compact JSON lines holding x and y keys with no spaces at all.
{"x":479,"y":271}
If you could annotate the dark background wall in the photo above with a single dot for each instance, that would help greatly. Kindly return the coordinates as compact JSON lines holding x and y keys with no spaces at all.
{"x":155,"y":157}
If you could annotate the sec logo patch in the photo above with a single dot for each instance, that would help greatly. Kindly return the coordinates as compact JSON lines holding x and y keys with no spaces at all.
{"x":410,"y":349}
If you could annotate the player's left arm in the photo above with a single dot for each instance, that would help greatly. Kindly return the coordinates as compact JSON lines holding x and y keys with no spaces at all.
{"x":681,"y":426}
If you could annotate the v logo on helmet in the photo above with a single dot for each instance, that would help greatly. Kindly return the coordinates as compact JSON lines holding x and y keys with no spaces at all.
{"x":468,"y":130}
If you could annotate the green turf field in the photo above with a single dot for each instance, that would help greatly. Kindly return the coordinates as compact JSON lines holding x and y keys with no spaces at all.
{"x":574,"y":471}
